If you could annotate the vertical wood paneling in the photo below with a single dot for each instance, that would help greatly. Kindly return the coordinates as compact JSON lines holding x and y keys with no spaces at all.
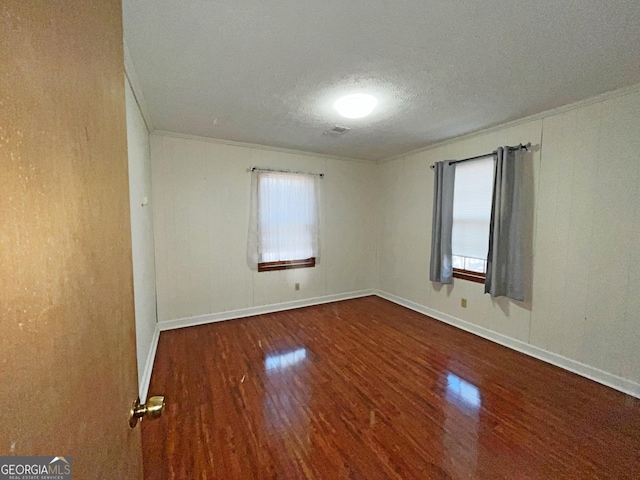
{"x":571,"y":145}
{"x":586,"y":283}
{"x":581,"y":145}
{"x":613,"y":244}
{"x":144,"y":273}
{"x":388,"y":231}
{"x":415,"y":223}
{"x":630,"y":365}
{"x":172,"y":145}
{"x":163,"y":224}
{"x":199,"y":231}
{"x":202,"y":200}
{"x":583,"y":138}
{"x":219,"y":228}
{"x":548,"y":277}
{"x":350,"y":255}
{"x":228,"y":213}
{"x":184,"y":230}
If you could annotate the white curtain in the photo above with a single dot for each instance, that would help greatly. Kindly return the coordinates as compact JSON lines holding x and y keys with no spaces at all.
{"x":284,"y":218}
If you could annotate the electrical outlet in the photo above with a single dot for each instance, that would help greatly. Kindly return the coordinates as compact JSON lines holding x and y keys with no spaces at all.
{"x":297,"y":286}
{"x":463,"y":303}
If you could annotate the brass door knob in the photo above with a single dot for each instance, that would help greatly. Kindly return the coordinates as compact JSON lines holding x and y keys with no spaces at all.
{"x":152,"y":410}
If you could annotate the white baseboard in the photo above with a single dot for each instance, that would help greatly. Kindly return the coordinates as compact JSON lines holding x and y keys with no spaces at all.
{"x":610,"y":380}
{"x":622,"y":384}
{"x":148,"y":367}
{"x":251,"y":311}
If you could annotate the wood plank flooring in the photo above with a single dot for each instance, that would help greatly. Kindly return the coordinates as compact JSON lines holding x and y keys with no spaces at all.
{"x":366,"y":389}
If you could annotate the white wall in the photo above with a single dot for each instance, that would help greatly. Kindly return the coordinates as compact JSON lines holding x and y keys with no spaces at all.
{"x":584,"y":294}
{"x":201,"y":192}
{"x":584,"y":303}
{"x":141,"y":240}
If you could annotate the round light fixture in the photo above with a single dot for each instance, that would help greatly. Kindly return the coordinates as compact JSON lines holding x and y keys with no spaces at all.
{"x":355,"y":106}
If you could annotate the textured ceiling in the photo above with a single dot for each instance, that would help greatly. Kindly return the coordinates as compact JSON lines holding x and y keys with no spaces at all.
{"x":268,"y":72}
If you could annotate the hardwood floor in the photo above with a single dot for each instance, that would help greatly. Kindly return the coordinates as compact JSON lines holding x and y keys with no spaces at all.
{"x":366,"y":389}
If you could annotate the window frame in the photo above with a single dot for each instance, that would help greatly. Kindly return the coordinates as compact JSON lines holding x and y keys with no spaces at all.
{"x":469,"y":275}
{"x":286,"y":264}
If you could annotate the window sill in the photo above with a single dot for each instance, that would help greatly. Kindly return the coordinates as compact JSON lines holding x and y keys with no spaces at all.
{"x":286,"y":264}
{"x":469,"y":275}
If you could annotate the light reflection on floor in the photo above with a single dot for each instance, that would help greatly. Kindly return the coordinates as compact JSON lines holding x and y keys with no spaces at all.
{"x":284,"y":360}
{"x":462,"y":392}
{"x":462,"y":423}
{"x":287,"y":397}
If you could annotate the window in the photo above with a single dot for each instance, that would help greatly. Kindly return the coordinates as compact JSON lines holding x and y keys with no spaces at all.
{"x":472,"y":196}
{"x":287,"y":221}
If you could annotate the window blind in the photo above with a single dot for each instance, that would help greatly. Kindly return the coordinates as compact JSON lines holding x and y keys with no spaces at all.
{"x":472,"y":208}
{"x":287,"y":217}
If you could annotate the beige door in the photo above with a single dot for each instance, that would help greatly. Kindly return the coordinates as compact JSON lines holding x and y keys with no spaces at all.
{"x":67,"y":346}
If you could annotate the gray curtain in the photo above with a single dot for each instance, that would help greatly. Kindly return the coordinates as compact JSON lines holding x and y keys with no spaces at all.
{"x":506,"y":262}
{"x":441,"y":270}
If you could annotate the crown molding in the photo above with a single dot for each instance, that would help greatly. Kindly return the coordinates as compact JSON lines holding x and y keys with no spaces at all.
{"x":257,"y":146}
{"x":531,"y":118}
{"x":130,"y":72}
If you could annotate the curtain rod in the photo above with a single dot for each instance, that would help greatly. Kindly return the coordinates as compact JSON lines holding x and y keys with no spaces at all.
{"x":258,"y":169}
{"x":517,"y":147}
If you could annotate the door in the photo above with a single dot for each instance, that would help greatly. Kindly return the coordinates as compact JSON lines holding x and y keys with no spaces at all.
{"x":67,"y":347}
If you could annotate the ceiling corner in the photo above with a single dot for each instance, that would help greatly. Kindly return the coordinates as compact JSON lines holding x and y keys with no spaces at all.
{"x":130,"y":72}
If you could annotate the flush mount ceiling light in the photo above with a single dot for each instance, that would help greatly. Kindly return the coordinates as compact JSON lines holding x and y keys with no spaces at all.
{"x":355,"y":106}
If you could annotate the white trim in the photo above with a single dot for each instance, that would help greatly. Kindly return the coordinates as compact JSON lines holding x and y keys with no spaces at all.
{"x":148,"y":367}
{"x":618,"y":383}
{"x":134,"y":82}
{"x":622,"y":384}
{"x":251,"y":311}
{"x":531,"y":118}
{"x":258,"y":146}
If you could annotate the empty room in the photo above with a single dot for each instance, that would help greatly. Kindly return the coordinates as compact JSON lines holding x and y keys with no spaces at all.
{"x":320,"y":240}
